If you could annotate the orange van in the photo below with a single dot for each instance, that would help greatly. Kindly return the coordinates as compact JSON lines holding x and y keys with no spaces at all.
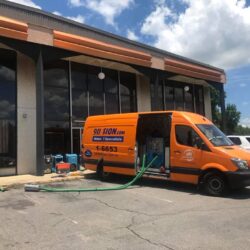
{"x":190,"y":149}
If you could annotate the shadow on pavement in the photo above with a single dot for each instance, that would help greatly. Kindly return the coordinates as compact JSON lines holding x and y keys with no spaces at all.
{"x":240,"y":194}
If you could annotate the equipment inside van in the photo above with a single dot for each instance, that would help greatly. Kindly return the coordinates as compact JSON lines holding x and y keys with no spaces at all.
{"x":189,"y":148}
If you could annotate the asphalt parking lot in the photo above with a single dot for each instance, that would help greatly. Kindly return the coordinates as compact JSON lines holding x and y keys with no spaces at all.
{"x":151,"y":215}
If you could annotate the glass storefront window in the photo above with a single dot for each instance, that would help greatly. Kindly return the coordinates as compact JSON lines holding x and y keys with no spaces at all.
{"x":56,"y":108}
{"x":7,"y":108}
{"x":95,"y":87}
{"x":169,"y":97}
{"x":199,"y":100}
{"x":179,"y":98}
{"x":183,"y":96}
{"x":128,"y":92}
{"x":111,"y":83}
{"x":79,"y":92}
{"x":188,"y":97}
{"x":89,"y":96}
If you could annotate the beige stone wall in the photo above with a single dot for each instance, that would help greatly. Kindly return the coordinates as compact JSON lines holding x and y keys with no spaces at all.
{"x":37,"y":34}
{"x":143,"y":94}
{"x":26,"y":115}
{"x":207,"y":103}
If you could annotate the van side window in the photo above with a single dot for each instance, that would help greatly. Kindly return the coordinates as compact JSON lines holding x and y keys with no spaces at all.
{"x":235,"y":140}
{"x":185,"y":135}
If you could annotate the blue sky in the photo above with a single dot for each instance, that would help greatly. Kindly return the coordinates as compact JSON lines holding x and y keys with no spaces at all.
{"x":211,"y":31}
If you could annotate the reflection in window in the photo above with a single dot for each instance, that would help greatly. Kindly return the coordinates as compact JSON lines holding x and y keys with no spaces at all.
{"x":7,"y":108}
{"x":186,"y":136}
{"x":179,"y":98}
{"x":188,"y":98}
{"x":183,"y":96}
{"x":128,"y":92}
{"x":96,"y":97}
{"x":56,"y":108}
{"x":111,"y":91}
{"x":199,"y":100}
{"x":169,"y":97}
{"x":79,"y":92}
{"x":90,"y":96}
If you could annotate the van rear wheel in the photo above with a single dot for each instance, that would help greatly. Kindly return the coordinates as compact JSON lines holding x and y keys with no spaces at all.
{"x":103,"y":176}
{"x":215,"y":184}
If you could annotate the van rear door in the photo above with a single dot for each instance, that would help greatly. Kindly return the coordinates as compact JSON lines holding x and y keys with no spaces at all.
{"x":112,"y":140}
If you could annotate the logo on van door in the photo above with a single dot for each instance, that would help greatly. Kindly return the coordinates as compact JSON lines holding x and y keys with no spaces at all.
{"x":88,"y":153}
{"x":188,"y":155}
{"x":108,"y":135}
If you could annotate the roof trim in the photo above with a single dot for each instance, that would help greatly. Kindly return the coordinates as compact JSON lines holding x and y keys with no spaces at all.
{"x":150,"y":49}
{"x":100,"y":49}
{"x":13,"y":29}
{"x":192,"y":70}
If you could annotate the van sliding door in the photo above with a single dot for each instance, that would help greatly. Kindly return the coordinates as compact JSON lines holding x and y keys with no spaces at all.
{"x":153,"y":139}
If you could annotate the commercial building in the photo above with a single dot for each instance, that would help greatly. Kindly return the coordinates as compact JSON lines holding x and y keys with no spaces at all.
{"x":55,"y":72}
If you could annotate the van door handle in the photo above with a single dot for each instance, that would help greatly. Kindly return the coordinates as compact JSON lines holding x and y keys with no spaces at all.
{"x":177,"y":152}
{"x":130,"y":149}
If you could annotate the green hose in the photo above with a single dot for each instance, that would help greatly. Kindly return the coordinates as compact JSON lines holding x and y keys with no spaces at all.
{"x":36,"y":188}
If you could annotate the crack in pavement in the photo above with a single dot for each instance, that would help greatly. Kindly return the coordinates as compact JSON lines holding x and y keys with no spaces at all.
{"x":120,"y":209}
{"x":129,"y":228}
{"x":165,"y":214}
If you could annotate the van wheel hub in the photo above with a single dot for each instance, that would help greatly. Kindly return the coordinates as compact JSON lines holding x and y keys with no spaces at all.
{"x":215,"y":184}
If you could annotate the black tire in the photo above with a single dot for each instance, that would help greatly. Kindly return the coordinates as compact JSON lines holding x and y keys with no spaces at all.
{"x":73,"y":167}
{"x":215,"y":184}
{"x":103,"y":176}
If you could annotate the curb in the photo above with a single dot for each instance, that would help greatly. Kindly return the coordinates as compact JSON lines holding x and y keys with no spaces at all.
{"x":18,"y":184}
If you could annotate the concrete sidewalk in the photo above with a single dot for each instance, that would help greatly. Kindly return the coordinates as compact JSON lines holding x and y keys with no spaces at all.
{"x":18,"y":180}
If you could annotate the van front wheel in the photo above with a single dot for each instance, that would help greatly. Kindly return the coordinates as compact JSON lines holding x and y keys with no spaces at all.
{"x":215,"y":184}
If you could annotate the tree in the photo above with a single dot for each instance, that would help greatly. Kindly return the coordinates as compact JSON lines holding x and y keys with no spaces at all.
{"x":240,"y":130}
{"x":231,"y":113}
{"x":232,"y":118}
{"x":215,"y":106}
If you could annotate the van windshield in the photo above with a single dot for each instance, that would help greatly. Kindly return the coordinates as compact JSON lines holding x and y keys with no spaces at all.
{"x":214,"y":135}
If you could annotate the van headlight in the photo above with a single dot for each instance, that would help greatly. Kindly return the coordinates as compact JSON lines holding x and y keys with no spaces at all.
{"x":241,"y":164}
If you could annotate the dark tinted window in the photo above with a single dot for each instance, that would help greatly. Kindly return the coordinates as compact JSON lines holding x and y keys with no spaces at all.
{"x":199,"y":99}
{"x":56,"y":107}
{"x":185,"y":135}
{"x":128,"y":92}
{"x":169,"y":97}
{"x":179,"y":99}
{"x":188,"y":98}
{"x":235,"y":140}
{"x":94,"y":83}
{"x":248,"y":138}
{"x":111,"y":91}
{"x":7,"y":108}
{"x":79,"y":92}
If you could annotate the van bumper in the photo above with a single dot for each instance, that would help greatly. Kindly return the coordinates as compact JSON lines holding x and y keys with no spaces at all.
{"x":238,"y":179}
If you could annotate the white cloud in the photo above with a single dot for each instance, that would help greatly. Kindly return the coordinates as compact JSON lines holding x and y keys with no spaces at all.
{"x":57,"y":13}
{"x":27,"y":3}
{"x":245,"y":122}
{"x":6,"y":109}
{"x":243,"y":85}
{"x":212,"y":31}
{"x":7,"y":74}
{"x":78,"y":18}
{"x":109,"y":9}
{"x":131,"y":35}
